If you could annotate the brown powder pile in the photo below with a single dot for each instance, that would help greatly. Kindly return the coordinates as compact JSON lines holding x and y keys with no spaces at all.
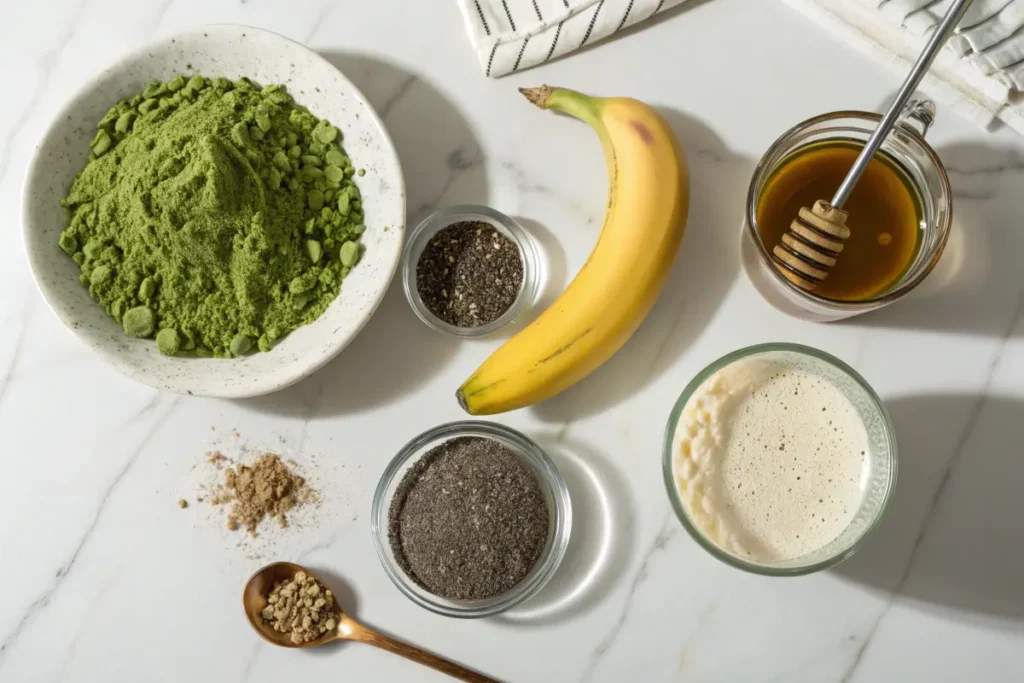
{"x":267,"y":488}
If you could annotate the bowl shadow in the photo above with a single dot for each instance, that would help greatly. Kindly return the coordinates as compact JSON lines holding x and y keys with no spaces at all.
{"x":705,"y":269}
{"x":949,"y":538}
{"x":447,"y":166}
{"x":601,"y":541}
{"x":978,"y":278}
{"x":395,"y":353}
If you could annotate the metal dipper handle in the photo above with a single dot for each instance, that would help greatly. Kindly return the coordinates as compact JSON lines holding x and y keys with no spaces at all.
{"x":816,"y":236}
{"x":949,"y":21}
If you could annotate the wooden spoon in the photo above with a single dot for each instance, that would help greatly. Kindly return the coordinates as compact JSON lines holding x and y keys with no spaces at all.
{"x":254,"y":599}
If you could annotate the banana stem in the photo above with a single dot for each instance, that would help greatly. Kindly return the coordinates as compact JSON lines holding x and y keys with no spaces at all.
{"x":576,"y":104}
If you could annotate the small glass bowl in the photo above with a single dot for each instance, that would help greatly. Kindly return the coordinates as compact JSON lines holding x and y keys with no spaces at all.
{"x":556,"y":494}
{"x":919,"y":163}
{"x":878,"y":489}
{"x":441,"y":219}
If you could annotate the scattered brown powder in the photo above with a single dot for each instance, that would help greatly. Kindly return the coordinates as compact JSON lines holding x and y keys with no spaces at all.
{"x":183,"y":503}
{"x":267,"y":488}
{"x":303,"y":608}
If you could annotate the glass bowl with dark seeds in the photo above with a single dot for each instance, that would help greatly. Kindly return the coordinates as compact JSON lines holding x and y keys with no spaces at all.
{"x":469,"y":270}
{"x":471,"y":519}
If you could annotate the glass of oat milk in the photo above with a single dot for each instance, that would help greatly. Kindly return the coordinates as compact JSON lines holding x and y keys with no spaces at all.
{"x":779,"y":459}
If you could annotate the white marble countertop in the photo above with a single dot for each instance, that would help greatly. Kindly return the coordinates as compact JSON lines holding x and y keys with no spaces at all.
{"x":106,"y":579}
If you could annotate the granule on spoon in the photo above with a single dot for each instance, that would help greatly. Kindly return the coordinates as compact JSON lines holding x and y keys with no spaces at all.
{"x":303,"y":608}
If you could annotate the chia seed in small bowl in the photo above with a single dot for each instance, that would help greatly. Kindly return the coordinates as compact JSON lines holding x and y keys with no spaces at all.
{"x":470,"y":519}
{"x":469,"y":270}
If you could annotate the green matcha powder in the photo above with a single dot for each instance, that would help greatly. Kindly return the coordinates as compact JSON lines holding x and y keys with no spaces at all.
{"x":214,"y":216}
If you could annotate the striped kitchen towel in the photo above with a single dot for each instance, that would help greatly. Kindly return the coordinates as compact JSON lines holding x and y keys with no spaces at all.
{"x":512,"y":35}
{"x":980,"y":73}
{"x":990,"y":36}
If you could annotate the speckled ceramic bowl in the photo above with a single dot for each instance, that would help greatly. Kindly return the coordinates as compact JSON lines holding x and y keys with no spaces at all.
{"x":230,"y":51}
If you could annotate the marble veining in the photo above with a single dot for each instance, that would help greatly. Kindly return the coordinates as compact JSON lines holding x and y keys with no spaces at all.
{"x":669,"y":530}
{"x":947,"y":471}
{"x":65,"y":568}
{"x":95,"y":544}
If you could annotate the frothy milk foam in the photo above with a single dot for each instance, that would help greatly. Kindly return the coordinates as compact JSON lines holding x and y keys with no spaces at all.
{"x":771,"y":459}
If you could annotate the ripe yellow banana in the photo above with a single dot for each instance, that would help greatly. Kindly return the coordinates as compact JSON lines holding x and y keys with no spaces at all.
{"x":617,"y":286}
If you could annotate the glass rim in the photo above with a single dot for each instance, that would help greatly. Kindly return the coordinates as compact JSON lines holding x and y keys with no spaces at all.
{"x":669,"y":475}
{"x":764,"y":254}
{"x":548,"y":477}
{"x":442,"y":218}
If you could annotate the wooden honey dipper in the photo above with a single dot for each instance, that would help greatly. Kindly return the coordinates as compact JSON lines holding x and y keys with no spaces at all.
{"x":816,"y":235}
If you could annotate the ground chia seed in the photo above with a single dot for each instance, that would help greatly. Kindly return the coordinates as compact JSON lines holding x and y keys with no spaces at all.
{"x":468,"y":521}
{"x":469,"y":274}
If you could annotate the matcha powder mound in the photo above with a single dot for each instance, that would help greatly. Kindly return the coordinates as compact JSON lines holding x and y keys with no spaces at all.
{"x":214,"y":216}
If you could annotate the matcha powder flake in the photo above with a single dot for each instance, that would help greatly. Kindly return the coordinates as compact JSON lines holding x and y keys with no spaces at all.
{"x":214,"y":216}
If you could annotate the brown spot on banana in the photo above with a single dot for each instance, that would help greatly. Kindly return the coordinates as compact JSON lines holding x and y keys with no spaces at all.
{"x":643,"y":132}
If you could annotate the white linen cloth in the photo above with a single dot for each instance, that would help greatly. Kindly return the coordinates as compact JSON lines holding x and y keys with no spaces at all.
{"x":512,"y":35}
{"x":980,"y":73}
